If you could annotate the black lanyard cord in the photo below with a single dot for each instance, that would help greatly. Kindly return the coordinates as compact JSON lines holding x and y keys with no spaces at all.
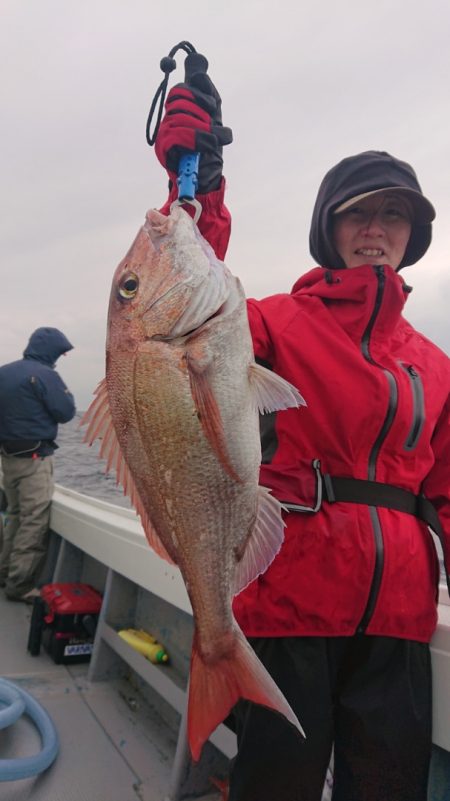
{"x":167,"y":64}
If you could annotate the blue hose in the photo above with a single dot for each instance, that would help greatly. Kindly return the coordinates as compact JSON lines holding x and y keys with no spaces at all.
{"x":12,"y":769}
{"x":16,"y":705}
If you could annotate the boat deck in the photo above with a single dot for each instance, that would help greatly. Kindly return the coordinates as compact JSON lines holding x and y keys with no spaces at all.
{"x":113,"y":745}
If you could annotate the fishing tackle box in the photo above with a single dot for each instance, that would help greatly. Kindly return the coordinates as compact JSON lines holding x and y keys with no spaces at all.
{"x":64,"y":620}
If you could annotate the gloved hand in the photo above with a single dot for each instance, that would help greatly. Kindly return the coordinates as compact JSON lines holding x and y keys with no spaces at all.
{"x":193,"y":122}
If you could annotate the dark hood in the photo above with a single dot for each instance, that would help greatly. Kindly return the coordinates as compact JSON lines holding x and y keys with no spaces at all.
{"x":351,"y":177}
{"x":47,"y":345}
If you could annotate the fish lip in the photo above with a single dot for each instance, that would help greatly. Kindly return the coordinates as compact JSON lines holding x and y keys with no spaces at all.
{"x":216,"y":305}
{"x":193,"y":332}
{"x":225,"y":308}
{"x":210,"y":321}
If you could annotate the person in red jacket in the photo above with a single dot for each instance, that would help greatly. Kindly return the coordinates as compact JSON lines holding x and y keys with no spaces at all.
{"x":343,"y":616}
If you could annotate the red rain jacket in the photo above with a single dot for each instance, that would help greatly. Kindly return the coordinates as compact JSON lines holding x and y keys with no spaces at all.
{"x":378,"y":408}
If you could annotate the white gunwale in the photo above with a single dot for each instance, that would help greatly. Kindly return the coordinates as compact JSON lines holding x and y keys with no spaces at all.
{"x":113,"y":535}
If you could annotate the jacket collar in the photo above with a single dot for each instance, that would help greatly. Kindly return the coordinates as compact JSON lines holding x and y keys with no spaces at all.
{"x":353,"y":296}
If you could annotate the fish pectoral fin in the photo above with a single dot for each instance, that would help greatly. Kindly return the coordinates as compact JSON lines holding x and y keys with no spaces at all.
{"x":100,"y":426}
{"x":208,"y":413}
{"x":271,"y":392}
{"x":214,"y":689}
{"x":263,"y":543}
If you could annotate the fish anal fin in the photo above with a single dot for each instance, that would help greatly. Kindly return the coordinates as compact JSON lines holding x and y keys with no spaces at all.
{"x":263,"y":543}
{"x":209,"y":415}
{"x":271,"y":392}
{"x":100,"y":425}
{"x":214,"y":689}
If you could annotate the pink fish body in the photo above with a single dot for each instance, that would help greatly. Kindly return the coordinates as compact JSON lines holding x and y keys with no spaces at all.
{"x":178,"y":417}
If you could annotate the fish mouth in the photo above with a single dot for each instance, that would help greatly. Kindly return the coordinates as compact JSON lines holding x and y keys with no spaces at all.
{"x":177,"y":335}
{"x":219,"y":313}
{"x":211,"y":300}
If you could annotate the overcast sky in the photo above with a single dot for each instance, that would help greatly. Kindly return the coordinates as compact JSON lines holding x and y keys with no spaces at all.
{"x":303,"y":85}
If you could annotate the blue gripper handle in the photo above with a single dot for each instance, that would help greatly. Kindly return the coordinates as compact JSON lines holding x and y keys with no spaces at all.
{"x":187,"y":180}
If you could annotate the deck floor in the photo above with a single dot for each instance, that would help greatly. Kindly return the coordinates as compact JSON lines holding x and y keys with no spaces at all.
{"x":113,"y":745}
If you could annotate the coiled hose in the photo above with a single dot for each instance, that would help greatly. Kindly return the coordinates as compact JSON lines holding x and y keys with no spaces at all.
{"x":17,"y":701}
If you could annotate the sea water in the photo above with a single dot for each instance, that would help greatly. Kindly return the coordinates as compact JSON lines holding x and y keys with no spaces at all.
{"x":78,"y":467}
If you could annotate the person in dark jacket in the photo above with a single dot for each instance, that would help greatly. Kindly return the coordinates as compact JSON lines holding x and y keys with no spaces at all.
{"x":343,"y":616}
{"x":33,"y":400}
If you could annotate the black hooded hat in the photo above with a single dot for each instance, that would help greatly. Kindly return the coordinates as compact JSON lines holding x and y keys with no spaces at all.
{"x":360,"y":175}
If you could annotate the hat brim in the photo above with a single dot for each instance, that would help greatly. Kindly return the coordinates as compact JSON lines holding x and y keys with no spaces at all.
{"x":424,"y":212}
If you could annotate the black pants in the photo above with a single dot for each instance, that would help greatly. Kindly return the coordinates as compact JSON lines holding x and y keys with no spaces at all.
{"x":370,"y":697}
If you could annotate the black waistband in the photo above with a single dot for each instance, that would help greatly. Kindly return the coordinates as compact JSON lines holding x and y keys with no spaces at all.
{"x":20,"y":447}
{"x":333,"y":489}
{"x":375,"y":493}
{"x":30,"y":448}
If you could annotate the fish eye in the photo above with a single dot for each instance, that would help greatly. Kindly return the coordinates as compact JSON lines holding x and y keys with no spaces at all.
{"x":128,"y":286}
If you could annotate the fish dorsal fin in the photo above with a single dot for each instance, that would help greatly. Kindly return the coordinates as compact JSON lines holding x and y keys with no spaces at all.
{"x":209,"y":414}
{"x":100,"y":426}
{"x":264,"y":542}
{"x":271,"y":392}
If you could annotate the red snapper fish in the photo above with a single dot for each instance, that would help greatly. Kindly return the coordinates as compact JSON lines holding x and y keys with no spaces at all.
{"x":178,"y":418}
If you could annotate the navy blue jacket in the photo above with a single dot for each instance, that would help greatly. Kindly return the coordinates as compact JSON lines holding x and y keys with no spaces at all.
{"x":33,"y":397}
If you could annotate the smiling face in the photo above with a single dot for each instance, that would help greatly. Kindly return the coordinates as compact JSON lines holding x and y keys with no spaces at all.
{"x":375,"y":230}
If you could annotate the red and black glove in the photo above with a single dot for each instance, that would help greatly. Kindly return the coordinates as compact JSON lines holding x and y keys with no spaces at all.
{"x":193,"y":122}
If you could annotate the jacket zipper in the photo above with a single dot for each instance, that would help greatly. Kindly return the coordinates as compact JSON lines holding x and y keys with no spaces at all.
{"x":371,"y":474}
{"x":416,"y":385}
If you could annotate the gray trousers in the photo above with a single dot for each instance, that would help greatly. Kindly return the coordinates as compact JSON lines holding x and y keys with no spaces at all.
{"x":28,"y":486}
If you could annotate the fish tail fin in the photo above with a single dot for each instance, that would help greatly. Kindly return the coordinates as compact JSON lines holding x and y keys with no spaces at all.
{"x":216,"y":687}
